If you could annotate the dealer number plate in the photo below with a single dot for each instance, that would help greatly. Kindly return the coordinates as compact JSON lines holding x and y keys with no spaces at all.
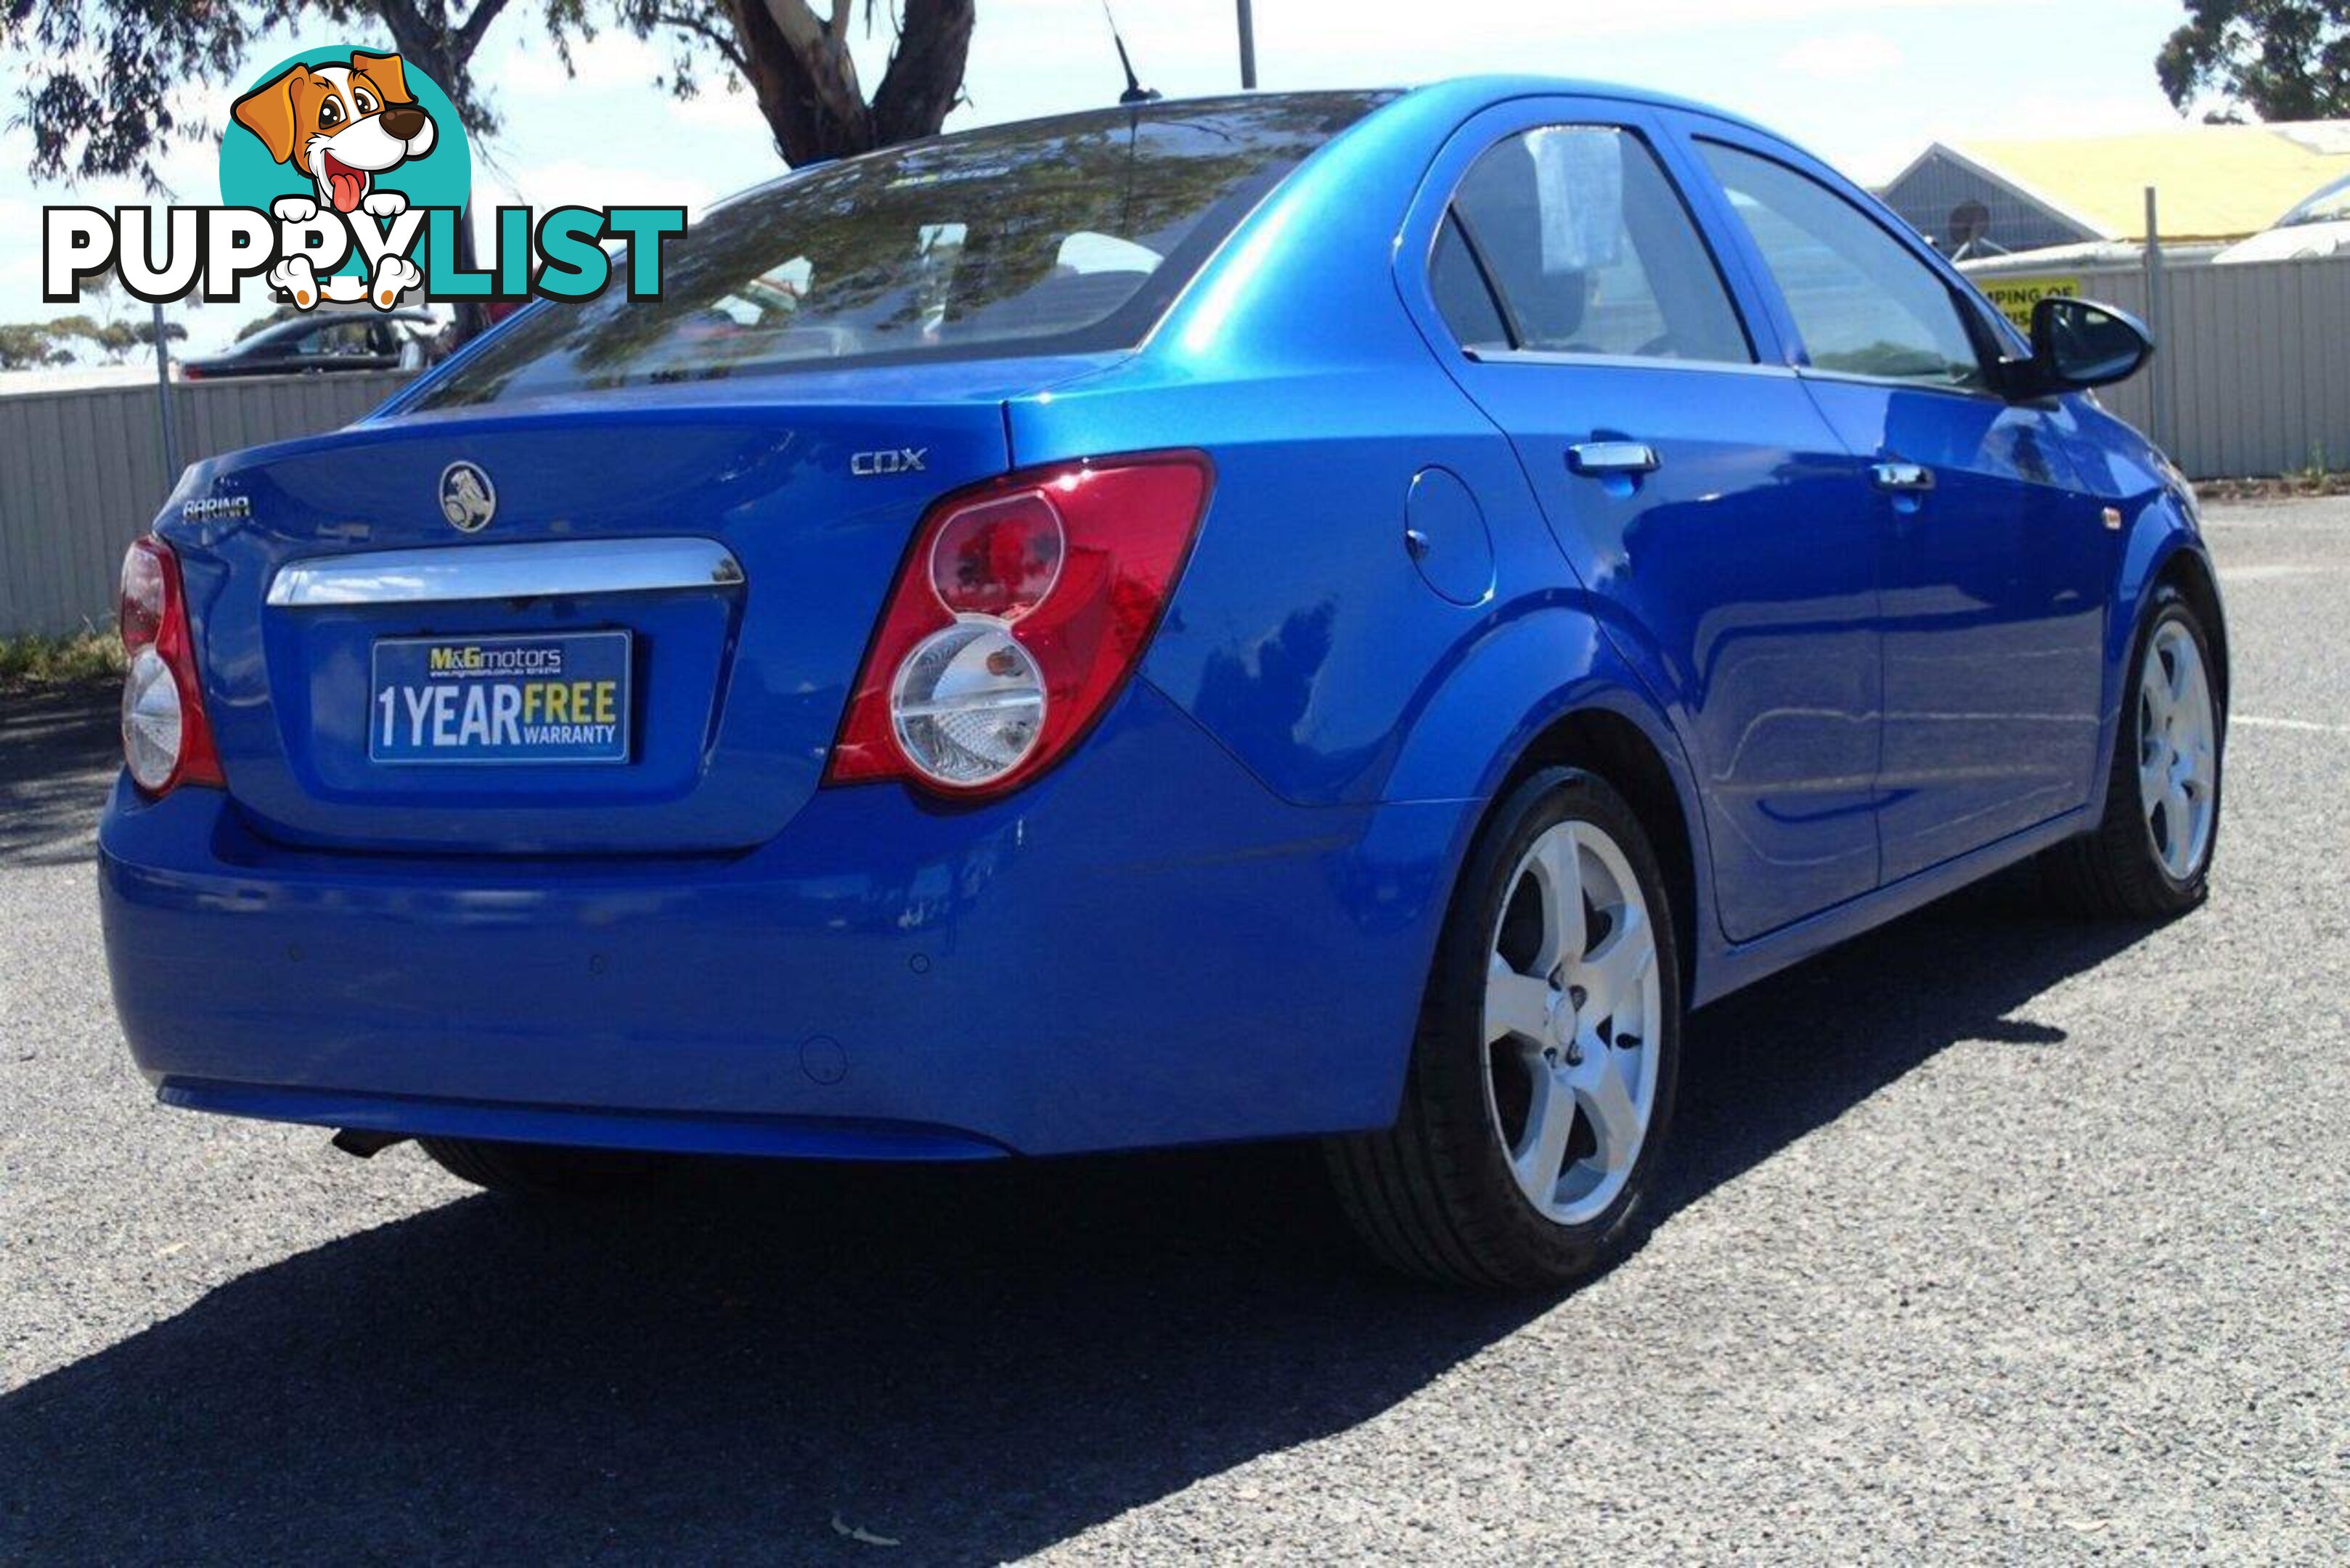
{"x":556,"y":698}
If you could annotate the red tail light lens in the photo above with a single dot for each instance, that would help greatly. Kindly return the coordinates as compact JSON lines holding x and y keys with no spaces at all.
{"x":166,"y":740}
{"x":999,"y":557}
{"x":139,"y":610}
{"x":1021,"y":611}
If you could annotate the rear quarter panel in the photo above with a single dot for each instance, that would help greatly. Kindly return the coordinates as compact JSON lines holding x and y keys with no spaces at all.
{"x":1302,"y":635}
{"x":1303,"y":638}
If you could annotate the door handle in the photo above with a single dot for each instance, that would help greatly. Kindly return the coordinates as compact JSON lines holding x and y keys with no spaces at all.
{"x":1903,"y":478}
{"x":1600,"y":457}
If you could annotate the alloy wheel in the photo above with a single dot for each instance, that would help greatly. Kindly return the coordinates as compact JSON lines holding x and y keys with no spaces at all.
{"x":1572,"y":1003}
{"x":2177,"y":766}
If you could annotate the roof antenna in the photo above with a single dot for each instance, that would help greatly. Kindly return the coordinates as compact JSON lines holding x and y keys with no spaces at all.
{"x":1135,"y":92}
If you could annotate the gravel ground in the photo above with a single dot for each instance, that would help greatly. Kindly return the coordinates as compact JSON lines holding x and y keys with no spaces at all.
{"x":1988,"y":1237}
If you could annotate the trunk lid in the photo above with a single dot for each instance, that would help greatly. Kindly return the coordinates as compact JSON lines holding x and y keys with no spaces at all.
{"x":745,"y":549}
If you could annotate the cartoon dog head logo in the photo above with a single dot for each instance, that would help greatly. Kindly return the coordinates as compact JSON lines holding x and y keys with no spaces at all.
{"x":344,"y":179}
{"x":342,"y":125}
{"x":349,"y":150}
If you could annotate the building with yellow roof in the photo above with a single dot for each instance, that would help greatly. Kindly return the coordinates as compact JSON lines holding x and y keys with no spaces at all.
{"x":2215,"y":183}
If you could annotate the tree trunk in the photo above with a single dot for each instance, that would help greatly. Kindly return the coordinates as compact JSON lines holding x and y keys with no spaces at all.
{"x":429,"y":47}
{"x":805,"y":83}
{"x":925,"y":75}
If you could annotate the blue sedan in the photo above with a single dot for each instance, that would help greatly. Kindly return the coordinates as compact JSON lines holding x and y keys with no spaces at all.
{"x":1338,"y":615}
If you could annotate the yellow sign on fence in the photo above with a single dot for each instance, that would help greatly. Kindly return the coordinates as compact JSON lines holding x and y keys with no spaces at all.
{"x":2015,"y":296}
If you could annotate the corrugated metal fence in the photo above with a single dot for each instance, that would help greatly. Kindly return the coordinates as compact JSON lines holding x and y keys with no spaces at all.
{"x":2253,"y":378}
{"x":82,"y":473}
{"x":2252,"y":371}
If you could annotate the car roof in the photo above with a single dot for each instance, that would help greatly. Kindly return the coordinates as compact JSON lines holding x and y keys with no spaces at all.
{"x":1455,"y":97}
{"x":1472,"y":93}
{"x":1468,"y":94}
{"x":293,"y":324}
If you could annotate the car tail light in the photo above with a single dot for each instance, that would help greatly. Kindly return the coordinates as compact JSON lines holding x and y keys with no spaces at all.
{"x":166,"y":741}
{"x":1018,"y":615}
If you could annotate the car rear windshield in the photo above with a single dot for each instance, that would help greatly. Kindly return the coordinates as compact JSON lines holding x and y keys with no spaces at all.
{"x":1056,"y":236}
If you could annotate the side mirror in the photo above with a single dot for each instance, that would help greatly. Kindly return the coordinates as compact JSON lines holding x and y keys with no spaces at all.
{"x":2077,"y":344}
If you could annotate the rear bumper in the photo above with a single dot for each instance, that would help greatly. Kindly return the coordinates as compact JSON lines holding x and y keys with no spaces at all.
{"x":1144,"y":948}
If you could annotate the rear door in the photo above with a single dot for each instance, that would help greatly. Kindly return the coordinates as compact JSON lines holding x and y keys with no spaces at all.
{"x":1994,"y":560}
{"x":1690,"y":482}
{"x":1700,"y":495}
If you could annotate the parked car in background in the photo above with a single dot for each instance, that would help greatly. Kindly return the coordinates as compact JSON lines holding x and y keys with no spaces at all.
{"x":2318,"y":227}
{"x":1330,"y":614}
{"x":324,"y":343}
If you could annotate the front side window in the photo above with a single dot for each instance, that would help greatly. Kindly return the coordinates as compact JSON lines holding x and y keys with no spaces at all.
{"x":1864,"y":305}
{"x":1067,"y":236}
{"x":1569,"y":239}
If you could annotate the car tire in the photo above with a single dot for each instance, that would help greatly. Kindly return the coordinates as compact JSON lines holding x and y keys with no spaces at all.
{"x":1463,"y":1187}
{"x":543,"y":1172}
{"x":2139,"y":863}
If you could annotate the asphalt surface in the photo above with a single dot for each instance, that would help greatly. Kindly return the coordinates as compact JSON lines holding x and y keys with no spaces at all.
{"x":1990,"y":1237}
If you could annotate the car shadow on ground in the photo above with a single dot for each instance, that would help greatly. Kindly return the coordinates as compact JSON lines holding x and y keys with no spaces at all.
{"x":59,"y":750}
{"x":975,"y":1361}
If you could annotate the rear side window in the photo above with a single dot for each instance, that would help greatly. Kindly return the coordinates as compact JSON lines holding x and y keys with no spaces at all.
{"x":1067,"y":236}
{"x":1462,"y":294}
{"x":1589,"y":250}
{"x":1864,"y":305}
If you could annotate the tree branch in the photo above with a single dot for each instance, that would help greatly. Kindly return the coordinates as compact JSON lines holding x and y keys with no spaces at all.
{"x":804,"y":79}
{"x":925,"y":74}
{"x":411,"y":31}
{"x":469,"y":36}
{"x":796,"y":23}
{"x":702,"y":28}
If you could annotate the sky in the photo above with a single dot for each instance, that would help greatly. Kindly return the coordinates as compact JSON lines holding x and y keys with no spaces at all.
{"x":1867,"y":84}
